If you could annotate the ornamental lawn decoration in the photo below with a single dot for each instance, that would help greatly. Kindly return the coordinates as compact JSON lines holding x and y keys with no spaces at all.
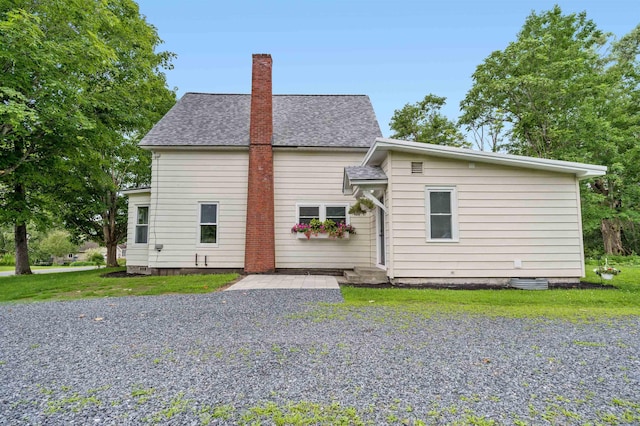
{"x":606,"y":271}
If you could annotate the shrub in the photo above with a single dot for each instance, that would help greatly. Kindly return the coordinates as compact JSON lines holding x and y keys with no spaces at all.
{"x":94,"y":256}
{"x":7,"y":259}
{"x":82,"y":263}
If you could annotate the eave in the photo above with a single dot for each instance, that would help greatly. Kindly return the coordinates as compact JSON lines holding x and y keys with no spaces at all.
{"x":382,"y":146}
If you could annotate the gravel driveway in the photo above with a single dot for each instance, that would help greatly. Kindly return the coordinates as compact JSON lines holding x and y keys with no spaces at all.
{"x":278,"y":355}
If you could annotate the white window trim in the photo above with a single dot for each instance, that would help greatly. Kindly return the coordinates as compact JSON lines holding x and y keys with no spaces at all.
{"x":199,"y":224}
{"x":454,"y":213}
{"x":323,"y":210}
{"x":135,"y":225}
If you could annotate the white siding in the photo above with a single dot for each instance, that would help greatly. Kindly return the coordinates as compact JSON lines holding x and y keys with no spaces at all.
{"x":316,"y":177}
{"x":505,"y":214}
{"x":137,"y":254}
{"x":180,"y":181}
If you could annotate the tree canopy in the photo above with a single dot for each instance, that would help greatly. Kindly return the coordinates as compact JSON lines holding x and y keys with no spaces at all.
{"x":78,"y":78}
{"x":423,"y":122}
{"x":566,"y":90}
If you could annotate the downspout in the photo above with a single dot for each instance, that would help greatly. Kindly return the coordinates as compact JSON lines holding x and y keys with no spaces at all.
{"x":389,"y":214}
{"x":579,"y":212}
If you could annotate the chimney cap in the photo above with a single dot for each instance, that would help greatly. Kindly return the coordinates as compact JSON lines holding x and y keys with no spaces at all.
{"x":261,"y":55}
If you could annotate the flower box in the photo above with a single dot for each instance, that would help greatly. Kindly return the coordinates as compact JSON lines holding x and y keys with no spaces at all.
{"x":327,"y":229}
{"x":319,"y":236}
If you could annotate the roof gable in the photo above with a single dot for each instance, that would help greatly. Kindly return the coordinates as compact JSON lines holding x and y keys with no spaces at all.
{"x":379,"y":150}
{"x":204,"y":120}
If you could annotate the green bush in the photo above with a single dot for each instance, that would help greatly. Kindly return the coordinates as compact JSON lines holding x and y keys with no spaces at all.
{"x":632,"y":260}
{"x":7,"y":259}
{"x":94,"y":255}
{"x":82,"y":263}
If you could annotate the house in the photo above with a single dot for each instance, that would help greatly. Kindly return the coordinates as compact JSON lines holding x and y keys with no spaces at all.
{"x":83,"y":251}
{"x":231,"y":175}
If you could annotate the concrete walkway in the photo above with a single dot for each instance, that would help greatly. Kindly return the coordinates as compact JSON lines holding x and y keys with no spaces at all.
{"x":304,"y":282}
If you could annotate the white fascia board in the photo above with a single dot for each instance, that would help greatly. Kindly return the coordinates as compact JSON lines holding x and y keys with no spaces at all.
{"x":382,"y":145}
{"x":136,"y":191}
{"x":368,"y":182}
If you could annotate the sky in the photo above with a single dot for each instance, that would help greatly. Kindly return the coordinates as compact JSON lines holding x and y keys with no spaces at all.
{"x":395,"y":52}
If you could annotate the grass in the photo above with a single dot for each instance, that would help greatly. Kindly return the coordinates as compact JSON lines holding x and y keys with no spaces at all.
{"x":12,"y":268}
{"x":90,"y":284}
{"x":622,"y":298}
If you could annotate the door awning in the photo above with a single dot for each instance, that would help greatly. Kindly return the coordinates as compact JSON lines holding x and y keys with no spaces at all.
{"x":360,"y":178}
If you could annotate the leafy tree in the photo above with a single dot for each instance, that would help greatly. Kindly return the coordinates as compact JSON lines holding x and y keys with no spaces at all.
{"x":6,"y":241}
{"x":60,"y":61}
{"x":57,"y":243}
{"x":423,"y":122}
{"x":47,"y":49}
{"x":488,"y":130}
{"x":127,"y":102}
{"x":559,"y":94}
{"x":536,"y":85}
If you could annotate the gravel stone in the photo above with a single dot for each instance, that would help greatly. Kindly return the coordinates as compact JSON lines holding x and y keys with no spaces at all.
{"x":186,"y":359}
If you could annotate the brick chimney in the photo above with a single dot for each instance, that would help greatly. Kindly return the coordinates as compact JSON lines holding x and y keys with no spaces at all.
{"x":260,"y":252}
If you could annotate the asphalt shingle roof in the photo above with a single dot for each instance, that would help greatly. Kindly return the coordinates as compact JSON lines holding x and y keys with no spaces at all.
{"x":365,"y":173}
{"x":201,"y":119}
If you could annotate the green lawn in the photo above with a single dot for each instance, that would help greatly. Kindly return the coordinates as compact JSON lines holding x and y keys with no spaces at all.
{"x":622,"y":298}
{"x":11,"y":268}
{"x":87,"y":284}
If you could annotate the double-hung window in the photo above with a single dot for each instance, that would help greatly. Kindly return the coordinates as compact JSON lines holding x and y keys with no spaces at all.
{"x":338,"y":214}
{"x":322,"y":211}
{"x":208,"y":223}
{"x":307,"y":213}
{"x":142,"y":225}
{"x":442,"y":214}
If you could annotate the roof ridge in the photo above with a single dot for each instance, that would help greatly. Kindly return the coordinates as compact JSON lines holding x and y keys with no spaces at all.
{"x":275,"y":94}
{"x":217,"y":94}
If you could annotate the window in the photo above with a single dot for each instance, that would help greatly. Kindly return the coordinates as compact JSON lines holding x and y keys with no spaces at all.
{"x":208,"y":223}
{"x":442,"y":215}
{"x":142,"y":225}
{"x":338,"y":214}
{"x":322,"y":212}
{"x":306,"y":213}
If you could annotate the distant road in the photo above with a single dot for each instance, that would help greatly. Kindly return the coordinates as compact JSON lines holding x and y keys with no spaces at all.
{"x":52,"y":270}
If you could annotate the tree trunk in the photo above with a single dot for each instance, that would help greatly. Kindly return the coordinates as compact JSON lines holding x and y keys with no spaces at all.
{"x":22,"y":250}
{"x":112,"y":251}
{"x":20,"y":235}
{"x":611,"y":236}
